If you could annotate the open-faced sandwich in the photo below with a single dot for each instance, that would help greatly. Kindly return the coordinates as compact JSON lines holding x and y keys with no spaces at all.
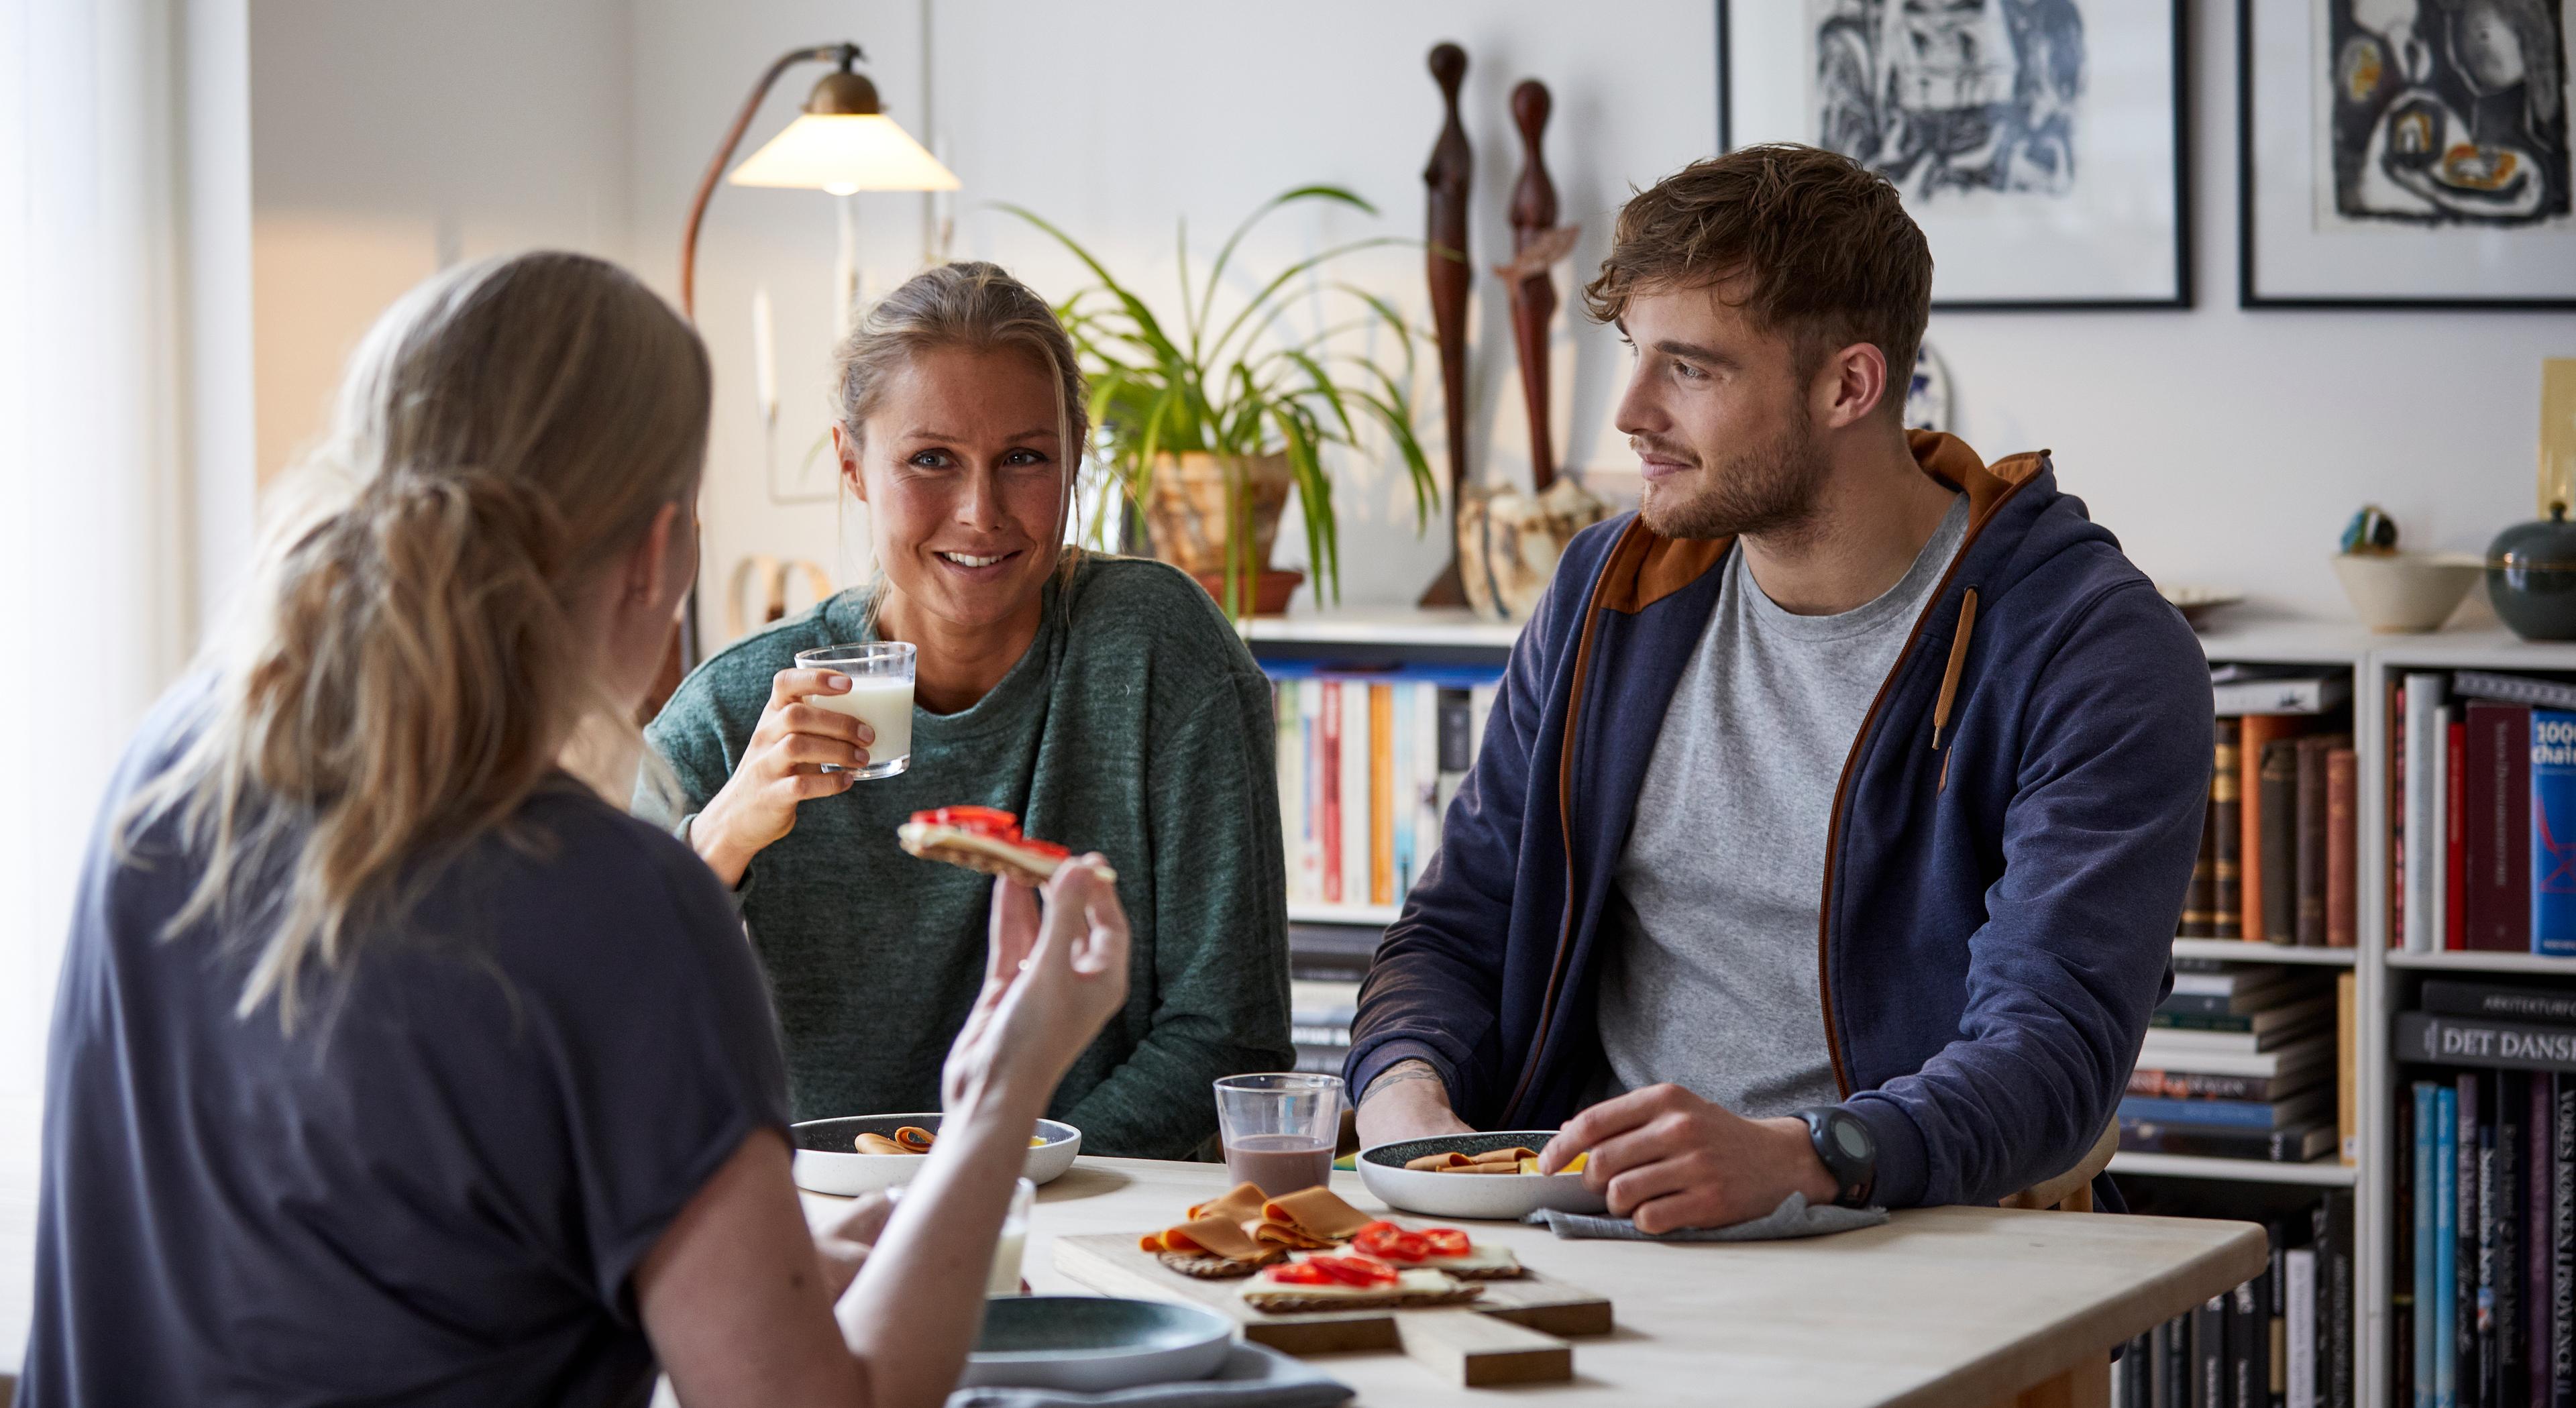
{"x":1335,"y":1281}
{"x":1234,"y":1234}
{"x":986,"y":839}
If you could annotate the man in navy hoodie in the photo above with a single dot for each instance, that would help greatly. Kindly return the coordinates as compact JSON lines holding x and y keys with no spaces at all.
{"x":1836,"y":810}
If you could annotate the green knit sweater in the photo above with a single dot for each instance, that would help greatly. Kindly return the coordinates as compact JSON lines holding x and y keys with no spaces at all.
{"x":1138,"y":726}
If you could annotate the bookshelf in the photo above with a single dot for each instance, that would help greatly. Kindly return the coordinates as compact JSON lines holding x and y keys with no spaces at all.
{"x":2384,"y":978}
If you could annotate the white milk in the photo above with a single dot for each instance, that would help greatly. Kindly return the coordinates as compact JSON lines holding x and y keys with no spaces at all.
{"x":883,"y":703}
{"x":1005,"y":1280}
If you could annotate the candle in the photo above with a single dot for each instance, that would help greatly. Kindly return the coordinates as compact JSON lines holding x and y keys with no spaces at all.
{"x":764,"y":354}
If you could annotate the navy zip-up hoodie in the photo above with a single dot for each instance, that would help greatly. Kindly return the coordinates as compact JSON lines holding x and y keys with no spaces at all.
{"x":2010,"y":843}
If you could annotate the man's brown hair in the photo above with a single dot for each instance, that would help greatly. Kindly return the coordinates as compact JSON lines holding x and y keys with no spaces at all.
{"x":1818,"y":246}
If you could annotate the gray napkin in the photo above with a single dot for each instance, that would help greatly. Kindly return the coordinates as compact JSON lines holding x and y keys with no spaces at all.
{"x":1253,"y":1376}
{"x":1793,"y":1218}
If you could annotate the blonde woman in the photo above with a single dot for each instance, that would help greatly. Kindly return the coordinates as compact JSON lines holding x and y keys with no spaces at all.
{"x":1104,"y":700}
{"x":390,"y":1063}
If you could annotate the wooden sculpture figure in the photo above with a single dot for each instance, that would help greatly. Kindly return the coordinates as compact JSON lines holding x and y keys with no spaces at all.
{"x":1449,"y":175}
{"x":1537,"y":243}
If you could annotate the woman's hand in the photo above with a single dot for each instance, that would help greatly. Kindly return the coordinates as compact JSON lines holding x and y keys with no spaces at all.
{"x":1049,"y":984}
{"x":781,"y":767}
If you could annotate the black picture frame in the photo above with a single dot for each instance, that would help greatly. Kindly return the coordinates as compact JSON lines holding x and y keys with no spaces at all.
{"x":2184,"y":295}
{"x":2248,"y":221}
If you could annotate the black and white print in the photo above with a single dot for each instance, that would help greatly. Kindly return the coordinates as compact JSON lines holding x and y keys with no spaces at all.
{"x":2444,"y":112}
{"x":1950,"y":98}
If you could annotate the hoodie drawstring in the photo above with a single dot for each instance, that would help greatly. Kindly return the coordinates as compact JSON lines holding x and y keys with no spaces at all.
{"x":1950,"y":680}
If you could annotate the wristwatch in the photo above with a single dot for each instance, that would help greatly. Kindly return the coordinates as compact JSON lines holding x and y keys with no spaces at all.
{"x":1848,"y":1151}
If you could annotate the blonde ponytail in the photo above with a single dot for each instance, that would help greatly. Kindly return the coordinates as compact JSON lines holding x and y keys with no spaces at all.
{"x":410,"y":669}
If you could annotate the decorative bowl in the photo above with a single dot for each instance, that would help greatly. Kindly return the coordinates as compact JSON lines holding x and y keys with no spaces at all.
{"x":2406,"y":591}
{"x":1502,"y":1197}
{"x":828,"y":1161}
{"x":1093,"y":1344}
{"x":2531,"y":578}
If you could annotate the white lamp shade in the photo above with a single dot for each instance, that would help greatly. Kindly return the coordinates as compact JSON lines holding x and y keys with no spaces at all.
{"x":842,"y":154}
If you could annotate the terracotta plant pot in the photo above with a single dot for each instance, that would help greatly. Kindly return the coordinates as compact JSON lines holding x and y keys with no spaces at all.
{"x":1187,"y":508}
{"x":1509,"y":541}
{"x":1270,"y":591}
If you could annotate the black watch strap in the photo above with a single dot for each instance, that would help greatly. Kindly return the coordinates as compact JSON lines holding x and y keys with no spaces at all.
{"x":1847,"y":1149}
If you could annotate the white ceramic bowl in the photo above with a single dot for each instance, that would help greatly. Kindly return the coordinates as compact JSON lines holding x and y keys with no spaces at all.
{"x":1093,"y":1344}
{"x":828,"y":1160}
{"x":1501,"y":1197}
{"x":2406,"y":591}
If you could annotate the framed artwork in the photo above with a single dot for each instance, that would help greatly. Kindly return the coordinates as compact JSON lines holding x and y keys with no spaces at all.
{"x":2040,"y":144}
{"x":2404,"y":153}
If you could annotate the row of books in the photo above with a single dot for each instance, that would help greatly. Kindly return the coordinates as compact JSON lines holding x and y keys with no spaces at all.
{"x":2484,"y":1281}
{"x":2276,"y":849}
{"x":2283,"y":1339}
{"x":2247,"y":1061}
{"x":1367,"y":765}
{"x":2483,"y":813}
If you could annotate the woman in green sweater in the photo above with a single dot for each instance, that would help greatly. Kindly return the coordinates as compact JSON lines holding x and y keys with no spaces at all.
{"x":1105,"y":700}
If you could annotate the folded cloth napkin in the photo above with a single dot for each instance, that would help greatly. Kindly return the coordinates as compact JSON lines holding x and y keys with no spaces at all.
{"x":1793,"y":1218}
{"x":1253,"y":1376}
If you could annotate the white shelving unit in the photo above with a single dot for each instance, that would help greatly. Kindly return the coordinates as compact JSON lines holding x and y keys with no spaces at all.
{"x":1379,"y":915}
{"x":2381,"y":974}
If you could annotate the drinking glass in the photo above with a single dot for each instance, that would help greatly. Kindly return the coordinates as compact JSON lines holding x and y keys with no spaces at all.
{"x":1004,"y":1279}
{"x":1279,"y":1129}
{"x":880,"y":696}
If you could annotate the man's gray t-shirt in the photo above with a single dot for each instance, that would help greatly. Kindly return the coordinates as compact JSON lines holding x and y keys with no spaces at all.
{"x":1710,"y":977}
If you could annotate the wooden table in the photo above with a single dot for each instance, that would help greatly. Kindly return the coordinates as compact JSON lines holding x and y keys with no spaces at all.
{"x":1972,"y":1307}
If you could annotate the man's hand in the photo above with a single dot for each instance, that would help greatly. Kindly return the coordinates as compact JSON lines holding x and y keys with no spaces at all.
{"x":1668,"y":1159}
{"x":1406,"y":1101}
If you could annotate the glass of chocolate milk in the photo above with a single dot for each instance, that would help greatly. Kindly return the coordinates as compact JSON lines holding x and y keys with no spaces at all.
{"x":1279,"y":1129}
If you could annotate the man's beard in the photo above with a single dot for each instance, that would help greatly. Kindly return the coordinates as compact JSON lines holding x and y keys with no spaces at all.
{"x":1765,"y":490}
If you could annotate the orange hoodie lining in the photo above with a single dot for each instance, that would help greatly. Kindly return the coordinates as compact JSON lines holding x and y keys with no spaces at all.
{"x":1644,"y":567}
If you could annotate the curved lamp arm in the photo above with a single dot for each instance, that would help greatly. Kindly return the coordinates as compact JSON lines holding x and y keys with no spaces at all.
{"x":843,"y":54}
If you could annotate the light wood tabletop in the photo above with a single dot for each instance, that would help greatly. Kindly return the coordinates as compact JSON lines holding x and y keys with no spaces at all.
{"x":1942,"y":1306}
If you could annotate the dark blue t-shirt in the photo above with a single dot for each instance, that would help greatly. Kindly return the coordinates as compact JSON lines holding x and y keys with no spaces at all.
{"x":436,"y":1190}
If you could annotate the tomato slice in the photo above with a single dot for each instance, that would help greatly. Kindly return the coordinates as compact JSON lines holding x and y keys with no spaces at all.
{"x":990,"y":821}
{"x":1299,"y":1273}
{"x":1446,"y":1241}
{"x":1048,"y":849}
{"x":1388,"y":1242}
{"x":1352,"y":1270}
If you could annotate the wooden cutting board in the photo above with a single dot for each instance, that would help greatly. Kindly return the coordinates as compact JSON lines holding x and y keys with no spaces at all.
{"x":1507,"y":1336}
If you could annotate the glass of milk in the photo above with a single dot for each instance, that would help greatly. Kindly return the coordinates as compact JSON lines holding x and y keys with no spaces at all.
{"x":1011,"y":1246}
{"x":880,"y":696}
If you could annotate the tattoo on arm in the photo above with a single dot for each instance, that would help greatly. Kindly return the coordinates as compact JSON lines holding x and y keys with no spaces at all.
{"x":1398,"y":1074}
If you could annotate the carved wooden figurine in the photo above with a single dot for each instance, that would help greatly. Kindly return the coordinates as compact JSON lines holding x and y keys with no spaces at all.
{"x":1448,"y":177}
{"x":1537,"y":243}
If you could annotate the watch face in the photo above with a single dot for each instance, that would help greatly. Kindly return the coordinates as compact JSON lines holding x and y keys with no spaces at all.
{"x":1852,"y":1137}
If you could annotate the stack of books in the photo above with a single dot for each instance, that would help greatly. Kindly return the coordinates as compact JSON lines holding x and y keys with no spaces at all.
{"x":2482,"y":815}
{"x":2485,"y":1196}
{"x":2276,"y":851}
{"x":2283,"y":1338}
{"x":1367,"y":765}
{"x":2244,"y":1061}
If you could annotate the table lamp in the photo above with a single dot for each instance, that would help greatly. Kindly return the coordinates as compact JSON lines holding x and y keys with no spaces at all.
{"x":842,"y":143}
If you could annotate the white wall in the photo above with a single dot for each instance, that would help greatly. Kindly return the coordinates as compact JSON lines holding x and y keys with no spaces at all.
{"x":390,"y":140}
{"x":2223,"y":446}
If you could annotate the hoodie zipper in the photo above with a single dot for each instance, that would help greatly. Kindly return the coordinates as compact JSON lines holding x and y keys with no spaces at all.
{"x":1851,"y":761}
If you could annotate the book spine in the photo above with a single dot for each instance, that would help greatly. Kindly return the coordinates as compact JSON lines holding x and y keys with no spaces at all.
{"x":2423,"y":695}
{"x":2505,"y":1004}
{"x":2310,"y":841}
{"x":1381,"y":794}
{"x":2446,"y":1248}
{"x":2245,"y":1335}
{"x":2486,"y":874}
{"x":2457,"y":1041}
{"x":2299,"y":1324}
{"x":2516,"y":689}
{"x":2513,"y":916}
{"x":2485,"y":1351}
{"x":2174,"y":1387}
{"x":1310,"y":735}
{"x":2194,"y":1085}
{"x":2441,"y":896}
{"x":1331,"y":718}
{"x":2402,"y":766}
{"x":2428,"y":1230}
{"x":2562,"y":1242}
{"x":2293,"y":1145}
{"x":2552,"y":861}
{"x":2226,"y":823}
{"x":2537,"y":1121}
{"x":2464,"y":1229}
{"x":2279,"y":839}
{"x":2209,"y":1354}
{"x":2199,"y":917}
{"x":2511,"y":1102}
{"x":1426,"y":775}
{"x":1399,"y":787}
{"x":2336,"y":1260}
{"x":2342,"y":890}
{"x":2214,"y":1114}
{"x":2455,"y":834}
{"x":2347,"y":1066}
{"x":1356,"y":848}
{"x":1288,"y":756}
{"x":2275,"y":1296}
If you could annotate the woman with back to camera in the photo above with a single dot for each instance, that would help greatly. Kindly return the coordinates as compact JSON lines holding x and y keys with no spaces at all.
{"x":1105,"y":701}
{"x":390,"y":1063}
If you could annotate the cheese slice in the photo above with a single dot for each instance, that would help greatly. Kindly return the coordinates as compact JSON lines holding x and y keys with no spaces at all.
{"x":1212,"y":1236}
{"x":1241,"y":1203}
{"x":1318,"y":1213}
{"x":1481,"y":1256}
{"x":1408,"y":1282}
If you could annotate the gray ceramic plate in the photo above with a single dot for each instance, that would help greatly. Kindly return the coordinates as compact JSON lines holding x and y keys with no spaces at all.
{"x":1503,"y":1197}
{"x":827,"y":1160}
{"x":1091,"y":1344}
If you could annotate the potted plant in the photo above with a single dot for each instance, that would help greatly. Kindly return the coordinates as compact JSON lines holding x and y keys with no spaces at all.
{"x":1209,"y":425}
